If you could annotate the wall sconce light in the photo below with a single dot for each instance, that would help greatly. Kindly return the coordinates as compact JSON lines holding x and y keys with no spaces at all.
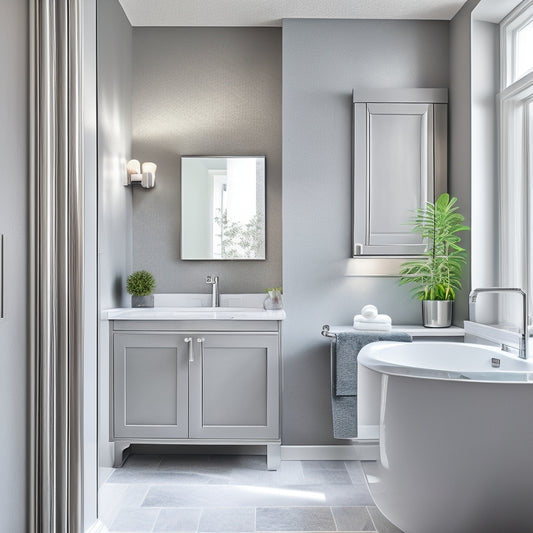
{"x":135,"y":174}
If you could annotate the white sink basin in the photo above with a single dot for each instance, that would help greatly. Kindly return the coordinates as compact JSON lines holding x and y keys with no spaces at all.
{"x":194,"y":313}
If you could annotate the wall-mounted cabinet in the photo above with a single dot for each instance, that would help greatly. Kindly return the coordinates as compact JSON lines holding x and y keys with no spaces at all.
{"x":400,"y":163}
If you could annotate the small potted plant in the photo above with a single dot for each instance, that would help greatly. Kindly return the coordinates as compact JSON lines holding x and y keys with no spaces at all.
{"x":436,"y":275}
{"x":273,"y":300}
{"x":141,"y":285}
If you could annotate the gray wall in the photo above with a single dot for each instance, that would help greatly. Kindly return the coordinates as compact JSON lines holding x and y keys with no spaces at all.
{"x":13,"y":224}
{"x":204,"y":91}
{"x":460,"y":130}
{"x":114,"y":200}
{"x":484,"y":262}
{"x":114,"y":150}
{"x":474,"y":60}
{"x":322,"y":62}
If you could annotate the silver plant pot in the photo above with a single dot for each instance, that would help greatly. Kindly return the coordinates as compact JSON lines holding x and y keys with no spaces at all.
{"x":142,"y":301}
{"x":437,"y":313}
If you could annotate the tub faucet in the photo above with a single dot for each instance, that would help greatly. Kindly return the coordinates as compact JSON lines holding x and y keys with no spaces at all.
{"x":523,"y":346}
{"x":215,"y":292}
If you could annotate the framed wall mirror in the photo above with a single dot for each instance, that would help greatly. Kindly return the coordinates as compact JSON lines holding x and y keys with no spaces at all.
{"x":222,"y":207}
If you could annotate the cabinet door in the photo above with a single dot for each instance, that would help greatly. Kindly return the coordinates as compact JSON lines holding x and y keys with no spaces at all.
{"x":234,"y":387}
{"x":399,"y":165}
{"x":150,"y":386}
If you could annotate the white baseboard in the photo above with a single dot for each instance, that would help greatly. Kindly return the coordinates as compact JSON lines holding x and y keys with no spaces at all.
{"x":343,"y":452}
{"x":97,"y":527}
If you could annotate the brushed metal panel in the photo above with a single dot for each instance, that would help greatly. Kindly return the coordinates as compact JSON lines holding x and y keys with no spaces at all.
{"x":56,"y":267}
{"x":235,"y":387}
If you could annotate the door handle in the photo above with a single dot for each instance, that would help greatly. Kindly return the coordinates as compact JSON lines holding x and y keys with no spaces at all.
{"x":201,"y":341}
{"x":191,"y":349}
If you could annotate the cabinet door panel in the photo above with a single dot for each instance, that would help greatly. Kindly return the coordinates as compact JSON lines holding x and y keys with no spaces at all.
{"x":150,"y":378}
{"x":399,"y":165}
{"x":234,"y":388}
{"x":394,"y":176}
{"x":398,"y":170}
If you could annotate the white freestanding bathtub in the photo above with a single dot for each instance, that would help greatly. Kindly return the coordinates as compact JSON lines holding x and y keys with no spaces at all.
{"x":456,"y":438}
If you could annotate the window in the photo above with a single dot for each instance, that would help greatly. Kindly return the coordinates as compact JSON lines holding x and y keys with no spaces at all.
{"x":517,"y":44}
{"x":515,"y":102}
{"x":524,"y":50}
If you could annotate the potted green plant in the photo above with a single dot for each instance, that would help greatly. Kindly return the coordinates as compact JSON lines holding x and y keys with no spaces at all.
{"x":436,"y":275}
{"x":141,"y":285}
{"x":274,"y":299}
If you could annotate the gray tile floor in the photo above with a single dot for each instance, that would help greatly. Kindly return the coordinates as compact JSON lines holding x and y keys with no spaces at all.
{"x":236,"y":493}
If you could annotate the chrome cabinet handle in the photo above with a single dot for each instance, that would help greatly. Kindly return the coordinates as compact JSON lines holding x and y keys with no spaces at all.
{"x":201,"y":341}
{"x":191,"y":349}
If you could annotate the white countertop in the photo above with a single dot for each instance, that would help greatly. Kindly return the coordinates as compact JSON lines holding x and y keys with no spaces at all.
{"x":415,"y":330}
{"x":193,"y":313}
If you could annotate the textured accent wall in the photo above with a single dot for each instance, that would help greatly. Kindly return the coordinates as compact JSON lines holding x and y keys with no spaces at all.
{"x":322,"y":62}
{"x":204,"y":91}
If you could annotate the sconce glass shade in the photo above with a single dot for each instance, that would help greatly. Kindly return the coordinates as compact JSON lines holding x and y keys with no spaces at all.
{"x":133,"y":167}
{"x":146,"y":177}
{"x":149,"y":167}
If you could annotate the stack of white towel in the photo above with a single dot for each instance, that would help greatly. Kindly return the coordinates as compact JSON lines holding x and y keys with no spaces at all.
{"x":370,"y":320}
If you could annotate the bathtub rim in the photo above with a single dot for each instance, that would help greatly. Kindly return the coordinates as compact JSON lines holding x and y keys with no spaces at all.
{"x":514,"y":377}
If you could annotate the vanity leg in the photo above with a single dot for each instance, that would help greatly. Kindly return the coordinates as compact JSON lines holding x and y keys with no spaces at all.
{"x":273,"y":456}
{"x":119,"y":452}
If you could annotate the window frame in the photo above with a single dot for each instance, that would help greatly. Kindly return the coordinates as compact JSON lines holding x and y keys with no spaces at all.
{"x":515,"y":131}
{"x":516,"y":20}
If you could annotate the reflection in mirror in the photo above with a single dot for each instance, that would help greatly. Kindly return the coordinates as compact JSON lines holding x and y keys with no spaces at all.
{"x":222,"y":207}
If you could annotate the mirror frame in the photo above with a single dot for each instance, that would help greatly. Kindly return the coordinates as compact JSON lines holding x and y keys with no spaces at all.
{"x":263,"y":206}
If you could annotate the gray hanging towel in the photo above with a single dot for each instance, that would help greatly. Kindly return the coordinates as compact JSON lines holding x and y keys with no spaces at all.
{"x":344,"y":384}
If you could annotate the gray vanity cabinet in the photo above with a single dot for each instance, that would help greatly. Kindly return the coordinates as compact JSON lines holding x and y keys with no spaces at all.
{"x":215,"y":383}
{"x":150,"y":386}
{"x":234,"y":387}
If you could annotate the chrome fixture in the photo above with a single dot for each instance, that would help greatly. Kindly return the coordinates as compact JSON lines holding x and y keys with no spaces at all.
{"x":135,"y":173}
{"x":327,"y":333}
{"x":215,"y":292}
{"x":494,"y":334}
{"x":495,"y":362}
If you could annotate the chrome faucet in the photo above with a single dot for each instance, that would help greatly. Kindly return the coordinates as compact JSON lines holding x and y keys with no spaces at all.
{"x":215,"y":292}
{"x":523,"y":347}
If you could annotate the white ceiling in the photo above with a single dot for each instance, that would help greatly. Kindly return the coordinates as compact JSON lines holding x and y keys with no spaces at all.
{"x":271,"y":12}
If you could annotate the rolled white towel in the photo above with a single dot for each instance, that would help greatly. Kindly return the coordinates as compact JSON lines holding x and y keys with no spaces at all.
{"x":378,"y":319}
{"x":371,"y":326}
{"x":369,"y":311}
